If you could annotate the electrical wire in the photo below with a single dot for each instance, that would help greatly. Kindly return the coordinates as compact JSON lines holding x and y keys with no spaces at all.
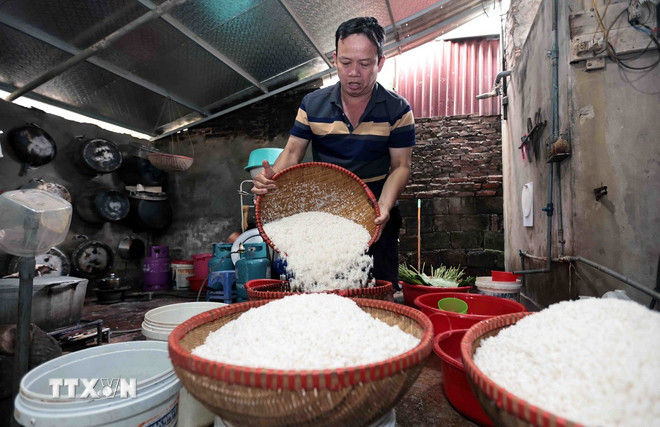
{"x":623,"y":60}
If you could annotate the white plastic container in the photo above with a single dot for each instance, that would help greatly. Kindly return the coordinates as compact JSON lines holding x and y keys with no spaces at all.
{"x":32,"y":221}
{"x":160,"y":322}
{"x":157,"y":325}
{"x":181,"y":270}
{"x":509,"y":290}
{"x":154,"y":400}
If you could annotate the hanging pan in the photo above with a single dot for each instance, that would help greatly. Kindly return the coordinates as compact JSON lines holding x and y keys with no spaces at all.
{"x":32,"y":145}
{"x":97,"y":156}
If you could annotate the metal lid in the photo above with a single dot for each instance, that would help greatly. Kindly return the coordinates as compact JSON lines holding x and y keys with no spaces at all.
{"x":146,"y":195}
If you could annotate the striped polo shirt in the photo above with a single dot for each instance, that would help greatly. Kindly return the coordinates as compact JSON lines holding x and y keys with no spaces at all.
{"x":387,"y":122}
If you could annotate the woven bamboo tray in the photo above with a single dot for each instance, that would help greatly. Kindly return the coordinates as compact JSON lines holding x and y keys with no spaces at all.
{"x":351,"y":396}
{"x":269,"y":289}
{"x":503,"y":407}
{"x":170,"y":162}
{"x":318,"y":187}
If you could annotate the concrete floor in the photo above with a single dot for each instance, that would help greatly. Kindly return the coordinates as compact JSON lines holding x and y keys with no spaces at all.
{"x":425,"y":404}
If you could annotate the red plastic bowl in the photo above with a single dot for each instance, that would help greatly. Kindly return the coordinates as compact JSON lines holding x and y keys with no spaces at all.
{"x":443,"y":323}
{"x":480,"y":307}
{"x":447,"y":346}
{"x":411,"y":292}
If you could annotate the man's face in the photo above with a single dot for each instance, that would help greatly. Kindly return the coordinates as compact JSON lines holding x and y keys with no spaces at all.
{"x":356,"y":59}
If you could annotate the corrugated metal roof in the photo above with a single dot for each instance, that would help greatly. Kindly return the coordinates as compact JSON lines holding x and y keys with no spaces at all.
{"x":443,"y":78}
{"x":157,"y":66}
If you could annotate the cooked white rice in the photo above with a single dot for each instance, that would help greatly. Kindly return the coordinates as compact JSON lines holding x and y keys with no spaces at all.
{"x":593,"y":361}
{"x":323,"y":251}
{"x":306,"y":331}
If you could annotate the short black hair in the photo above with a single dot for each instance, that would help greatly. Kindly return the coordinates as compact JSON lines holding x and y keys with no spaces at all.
{"x":366,"y":25}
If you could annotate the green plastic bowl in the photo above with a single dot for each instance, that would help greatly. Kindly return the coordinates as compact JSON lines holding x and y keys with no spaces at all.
{"x":452,"y":304}
{"x":260,"y":154}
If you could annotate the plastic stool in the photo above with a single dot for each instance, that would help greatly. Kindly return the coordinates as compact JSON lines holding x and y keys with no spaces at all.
{"x":221,"y":286}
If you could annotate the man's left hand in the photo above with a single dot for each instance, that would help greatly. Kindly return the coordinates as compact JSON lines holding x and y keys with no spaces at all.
{"x":382,"y":221}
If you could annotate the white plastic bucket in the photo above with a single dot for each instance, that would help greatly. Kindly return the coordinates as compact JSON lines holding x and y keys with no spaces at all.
{"x":181,"y":270}
{"x":154,"y":401}
{"x":160,"y":322}
{"x":157,"y":325}
{"x":509,"y":290}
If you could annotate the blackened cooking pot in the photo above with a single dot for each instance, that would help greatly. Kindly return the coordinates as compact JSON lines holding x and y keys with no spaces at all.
{"x":97,"y":205}
{"x":90,"y":258}
{"x":32,"y":145}
{"x":149,"y":210}
{"x":137,"y":170}
{"x":98,"y":156}
{"x":110,"y":282}
{"x":55,"y":259}
{"x":131,"y":248}
{"x":51,"y":187}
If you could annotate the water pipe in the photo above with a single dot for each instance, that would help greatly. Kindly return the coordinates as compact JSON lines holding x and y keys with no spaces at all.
{"x":554,"y":120}
{"x":654,"y":293}
{"x":620,"y":277}
{"x":560,"y":222}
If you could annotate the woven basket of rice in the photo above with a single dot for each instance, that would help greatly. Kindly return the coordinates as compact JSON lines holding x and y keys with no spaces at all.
{"x":318,"y":187}
{"x":501,"y":406}
{"x":357,"y":395}
{"x":268,"y":289}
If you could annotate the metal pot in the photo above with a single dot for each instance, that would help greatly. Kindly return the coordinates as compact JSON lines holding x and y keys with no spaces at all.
{"x":90,"y":258}
{"x":150,"y":210}
{"x":56,"y":260}
{"x":98,"y":156}
{"x":109,"y":282}
{"x":32,"y":145}
{"x":51,"y":187}
{"x":97,"y":204}
{"x":131,"y":248}
{"x":136,"y":170}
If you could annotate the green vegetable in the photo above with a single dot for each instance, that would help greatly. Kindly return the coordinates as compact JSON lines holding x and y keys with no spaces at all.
{"x":446,"y":277}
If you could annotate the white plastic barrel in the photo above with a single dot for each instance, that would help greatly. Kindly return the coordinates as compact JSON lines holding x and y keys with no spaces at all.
{"x":509,"y":290}
{"x":150,"y":395}
{"x":157,"y":325}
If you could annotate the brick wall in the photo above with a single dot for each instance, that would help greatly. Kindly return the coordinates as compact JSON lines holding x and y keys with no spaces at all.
{"x":457,"y":177}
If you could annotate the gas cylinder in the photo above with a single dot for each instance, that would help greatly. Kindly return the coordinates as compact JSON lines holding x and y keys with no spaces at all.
{"x":156,"y":269}
{"x":221,"y":259}
{"x":253,"y":264}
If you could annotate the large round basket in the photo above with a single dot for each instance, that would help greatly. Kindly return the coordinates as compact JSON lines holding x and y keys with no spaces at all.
{"x":503,"y":407}
{"x":318,"y":187}
{"x":269,"y":289}
{"x":350,"y":396}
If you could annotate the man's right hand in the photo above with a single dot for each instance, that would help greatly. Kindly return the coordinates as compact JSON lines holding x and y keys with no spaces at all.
{"x":263,"y":182}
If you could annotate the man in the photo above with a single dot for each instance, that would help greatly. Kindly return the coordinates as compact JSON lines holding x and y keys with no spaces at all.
{"x":361,"y":126}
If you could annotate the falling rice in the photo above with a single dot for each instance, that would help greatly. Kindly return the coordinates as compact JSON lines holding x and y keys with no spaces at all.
{"x":323,"y":251}
{"x":592,"y":361}
{"x":303,"y":332}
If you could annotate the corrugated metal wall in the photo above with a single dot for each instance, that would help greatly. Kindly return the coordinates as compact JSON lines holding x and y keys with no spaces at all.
{"x":443,"y":78}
